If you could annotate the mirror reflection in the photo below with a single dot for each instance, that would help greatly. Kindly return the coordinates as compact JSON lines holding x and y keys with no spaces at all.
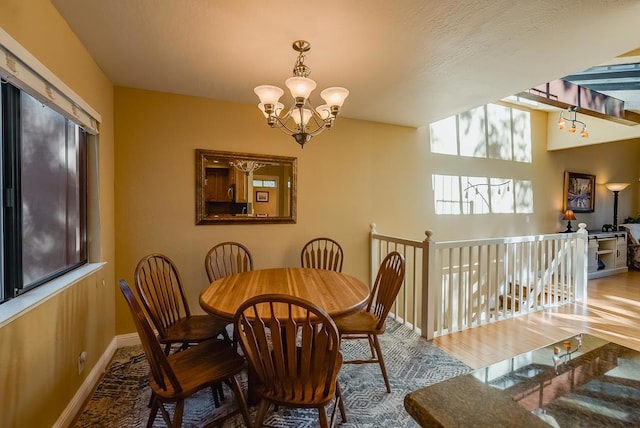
{"x":244,"y":188}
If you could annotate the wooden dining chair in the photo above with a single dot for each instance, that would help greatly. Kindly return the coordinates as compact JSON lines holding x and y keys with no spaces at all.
{"x":293,"y":347}
{"x":175,"y":377}
{"x":160,"y":288}
{"x":322,"y":253}
{"x":227,"y":258}
{"x":369,"y":323}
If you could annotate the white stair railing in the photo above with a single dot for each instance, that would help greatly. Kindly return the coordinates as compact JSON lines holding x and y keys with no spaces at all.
{"x":451,"y":286}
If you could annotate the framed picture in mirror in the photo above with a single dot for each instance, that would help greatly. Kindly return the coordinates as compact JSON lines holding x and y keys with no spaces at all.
{"x":262,"y":196}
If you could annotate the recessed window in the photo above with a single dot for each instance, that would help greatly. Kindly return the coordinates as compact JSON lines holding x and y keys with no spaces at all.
{"x":491,"y":131}
{"x":44,"y":174}
{"x":456,"y":195}
{"x":265,"y":183}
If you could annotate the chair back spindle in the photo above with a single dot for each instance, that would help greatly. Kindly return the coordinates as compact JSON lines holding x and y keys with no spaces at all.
{"x":386,"y":286}
{"x":322,"y":253}
{"x":160,"y":287}
{"x":227,"y":258}
{"x":294,"y":348}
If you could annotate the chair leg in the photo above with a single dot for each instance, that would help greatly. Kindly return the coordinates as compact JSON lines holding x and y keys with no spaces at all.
{"x":214,"y":393}
{"x":153,"y":412}
{"x":322,"y":417}
{"x":177,"y":414}
{"x":150,"y":403}
{"x":242,"y":404}
{"x":167,"y":348}
{"x":371,"y":347}
{"x":340,"y":402}
{"x":381,"y":362}
{"x":263,"y":408}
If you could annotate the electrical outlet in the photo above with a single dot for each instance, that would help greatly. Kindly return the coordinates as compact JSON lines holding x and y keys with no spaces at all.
{"x":81,"y":359}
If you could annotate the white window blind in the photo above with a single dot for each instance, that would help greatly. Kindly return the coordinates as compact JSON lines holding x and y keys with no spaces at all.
{"x":23,"y":70}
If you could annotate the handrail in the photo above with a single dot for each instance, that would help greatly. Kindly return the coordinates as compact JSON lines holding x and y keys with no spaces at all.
{"x":454,"y":285}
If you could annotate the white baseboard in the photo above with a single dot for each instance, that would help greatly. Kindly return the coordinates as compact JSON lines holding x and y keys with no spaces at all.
{"x":90,"y":382}
{"x":130,"y":339}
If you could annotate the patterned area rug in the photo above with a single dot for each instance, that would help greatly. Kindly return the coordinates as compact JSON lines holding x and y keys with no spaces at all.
{"x":120,"y":400}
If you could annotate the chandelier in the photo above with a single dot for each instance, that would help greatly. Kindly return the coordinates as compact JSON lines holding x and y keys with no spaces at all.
{"x":562,"y":122}
{"x":301,"y":121}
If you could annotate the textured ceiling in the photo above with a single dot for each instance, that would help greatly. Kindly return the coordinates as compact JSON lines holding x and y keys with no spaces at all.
{"x":406,"y":62}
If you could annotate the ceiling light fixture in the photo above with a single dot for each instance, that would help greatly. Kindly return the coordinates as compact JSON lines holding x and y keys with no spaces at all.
{"x":573,"y":112}
{"x":302,"y":121}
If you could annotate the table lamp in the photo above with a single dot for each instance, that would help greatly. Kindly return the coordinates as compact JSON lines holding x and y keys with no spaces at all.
{"x":569,"y":215}
{"x":616,"y":188}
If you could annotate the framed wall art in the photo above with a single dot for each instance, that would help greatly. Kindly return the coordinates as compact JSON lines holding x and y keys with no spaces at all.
{"x":579,"y":192}
{"x":262,"y":196}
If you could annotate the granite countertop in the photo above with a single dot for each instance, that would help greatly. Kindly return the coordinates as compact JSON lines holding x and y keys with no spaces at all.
{"x":580,"y":381}
{"x":464,"y":402}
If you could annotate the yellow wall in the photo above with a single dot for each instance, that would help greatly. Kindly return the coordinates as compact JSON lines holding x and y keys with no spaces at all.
{"x":358,"y":173}
{"x":156,"y":138}
{"x":354,"y":175}
{"x":38,"y":356}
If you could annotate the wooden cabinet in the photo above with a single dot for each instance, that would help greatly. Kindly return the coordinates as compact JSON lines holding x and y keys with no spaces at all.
{"x":225,"y":185}
{"x":239,"y":181}
{"x":621,"y":251}
{"x":216,"y":185}
{"x":607,"y":254}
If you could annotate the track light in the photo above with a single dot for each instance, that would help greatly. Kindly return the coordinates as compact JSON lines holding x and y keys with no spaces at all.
{"x":562,"y":122}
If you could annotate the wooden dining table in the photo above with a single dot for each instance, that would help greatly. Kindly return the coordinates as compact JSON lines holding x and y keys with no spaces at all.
{"x":337,"y":293}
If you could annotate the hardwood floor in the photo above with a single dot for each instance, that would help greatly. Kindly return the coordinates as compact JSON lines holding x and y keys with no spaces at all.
{"x":612,"y":312}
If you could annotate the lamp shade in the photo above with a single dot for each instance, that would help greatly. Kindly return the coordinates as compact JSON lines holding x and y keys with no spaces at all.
{"x":569,"y":215}
{"x":335,"y":96}
{"x":268,"y":94}
{"x":616,"y":187}
{"x":306,"y":115}
{"x":300,"y":87}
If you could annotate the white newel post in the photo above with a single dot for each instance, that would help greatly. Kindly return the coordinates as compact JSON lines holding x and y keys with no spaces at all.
{"x":375,"y":254}
{"x":582,"y":249}
{"x":430,"y":287}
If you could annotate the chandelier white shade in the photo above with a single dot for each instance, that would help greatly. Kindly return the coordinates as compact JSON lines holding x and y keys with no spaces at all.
{"x":268,"y":94}
{"x":302,"y":121}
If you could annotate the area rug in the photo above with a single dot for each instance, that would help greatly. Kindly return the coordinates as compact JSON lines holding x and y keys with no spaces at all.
{"x":121,"y":398}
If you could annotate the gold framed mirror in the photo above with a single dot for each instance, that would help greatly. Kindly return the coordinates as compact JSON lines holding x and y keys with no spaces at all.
{"x":241,"y":188}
